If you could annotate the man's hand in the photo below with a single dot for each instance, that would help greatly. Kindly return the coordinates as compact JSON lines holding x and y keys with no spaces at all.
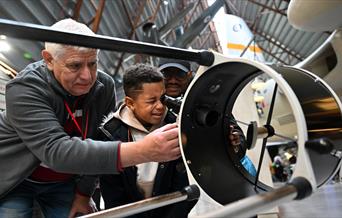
{"x":160,"y":145}
{"x":82,"y":205}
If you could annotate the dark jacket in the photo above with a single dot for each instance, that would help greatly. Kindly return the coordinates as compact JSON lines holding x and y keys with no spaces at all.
{"x":122,"y":189}
{"x":31,"y":129}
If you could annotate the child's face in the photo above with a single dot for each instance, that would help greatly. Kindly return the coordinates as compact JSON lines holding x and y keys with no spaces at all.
{"x":146,"y":106}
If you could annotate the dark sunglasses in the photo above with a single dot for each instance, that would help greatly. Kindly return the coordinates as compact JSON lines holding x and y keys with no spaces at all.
{"x":180,"y":75}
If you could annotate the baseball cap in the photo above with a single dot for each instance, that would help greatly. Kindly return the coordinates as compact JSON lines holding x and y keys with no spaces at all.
{"x":180,"y":64}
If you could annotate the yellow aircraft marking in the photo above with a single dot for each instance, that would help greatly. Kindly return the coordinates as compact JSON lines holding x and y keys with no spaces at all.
{"x":241,"y":47}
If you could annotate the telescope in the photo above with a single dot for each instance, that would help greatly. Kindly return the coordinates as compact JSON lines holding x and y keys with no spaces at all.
{"x":172,"y":103}
{"x":219,"y":88}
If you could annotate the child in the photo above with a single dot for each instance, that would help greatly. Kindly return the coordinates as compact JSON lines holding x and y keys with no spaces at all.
{"x":141,"y":113}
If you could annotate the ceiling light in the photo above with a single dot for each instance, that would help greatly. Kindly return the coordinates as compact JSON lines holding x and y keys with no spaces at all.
{"x":258,"y":84}
{"x":258,"y":98}
{"x":4,"y":46}
{"x":27,"y":55}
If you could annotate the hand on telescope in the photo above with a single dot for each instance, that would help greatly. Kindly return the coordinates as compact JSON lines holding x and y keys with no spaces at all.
{"x":162,"y":144}
{"x":159,"y":146}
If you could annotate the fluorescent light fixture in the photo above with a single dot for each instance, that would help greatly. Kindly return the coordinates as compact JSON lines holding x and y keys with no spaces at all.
{"x":258,"y":98}
{"x":258,"y":84}
{"x":4,"y":46}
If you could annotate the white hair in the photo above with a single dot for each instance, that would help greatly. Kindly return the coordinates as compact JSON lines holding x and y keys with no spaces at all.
{"x":69,"y":25}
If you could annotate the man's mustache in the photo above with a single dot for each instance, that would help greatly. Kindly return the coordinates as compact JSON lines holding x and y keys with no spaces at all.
{"x":172,"y":84}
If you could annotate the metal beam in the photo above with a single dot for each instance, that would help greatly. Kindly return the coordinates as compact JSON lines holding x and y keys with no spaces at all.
{"x":200,"y":23}
{"x":276,"y":10}
{"x":133,"y":28}
{"x":215,"y":36}
{"x":77,"y":9}
{"x":188,"y":19}
{"x":43,"y":33}
{"x":175,"y":21}
{"x":272,"y":55}
{"x":285,"y":50}
{"x":98,"y":15}
{"x":94,"y":20}
{"x":155,"y":12}
{"x":205,"y":39}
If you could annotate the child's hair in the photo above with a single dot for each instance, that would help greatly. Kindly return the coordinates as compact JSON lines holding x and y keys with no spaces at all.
{"x":137,"y":75}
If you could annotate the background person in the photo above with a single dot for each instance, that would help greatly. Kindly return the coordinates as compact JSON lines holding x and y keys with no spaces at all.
{"x":177,"y":74}
{"x":239,"y":143}
{"x":53,"y":109}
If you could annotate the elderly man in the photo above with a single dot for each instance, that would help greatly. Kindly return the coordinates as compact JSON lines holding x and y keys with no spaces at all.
{"x":54,"y":107}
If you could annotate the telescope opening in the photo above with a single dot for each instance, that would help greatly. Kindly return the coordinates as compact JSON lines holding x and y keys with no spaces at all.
{"x":286,"y":117}
{"x":206,"y":117}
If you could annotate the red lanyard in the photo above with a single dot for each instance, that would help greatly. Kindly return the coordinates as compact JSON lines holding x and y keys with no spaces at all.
{"x":84,"y":135}
{"x":129,"y":135}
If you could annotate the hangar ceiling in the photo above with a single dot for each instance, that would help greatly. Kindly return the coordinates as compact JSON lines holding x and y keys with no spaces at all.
{"x":279,"y":41}
{"x":173,"y":19}
{"x":116,"y":18}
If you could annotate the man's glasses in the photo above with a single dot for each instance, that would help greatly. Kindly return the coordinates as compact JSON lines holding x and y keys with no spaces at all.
{"x":178,"y":75}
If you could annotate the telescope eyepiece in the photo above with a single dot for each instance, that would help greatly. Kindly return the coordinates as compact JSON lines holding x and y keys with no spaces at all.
{"x":171,"y":102}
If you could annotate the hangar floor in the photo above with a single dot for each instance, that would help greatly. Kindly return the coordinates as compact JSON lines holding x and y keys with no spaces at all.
{"x":326,"y":202}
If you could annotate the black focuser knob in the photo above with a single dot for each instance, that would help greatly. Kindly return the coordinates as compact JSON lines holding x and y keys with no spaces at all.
{"x":172,"y":103}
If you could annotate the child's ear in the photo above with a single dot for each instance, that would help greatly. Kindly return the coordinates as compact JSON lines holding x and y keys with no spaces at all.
{"x":129,"y":102}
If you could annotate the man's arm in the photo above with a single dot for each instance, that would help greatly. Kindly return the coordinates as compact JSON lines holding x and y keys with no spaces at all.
{"x":35,"y":122}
